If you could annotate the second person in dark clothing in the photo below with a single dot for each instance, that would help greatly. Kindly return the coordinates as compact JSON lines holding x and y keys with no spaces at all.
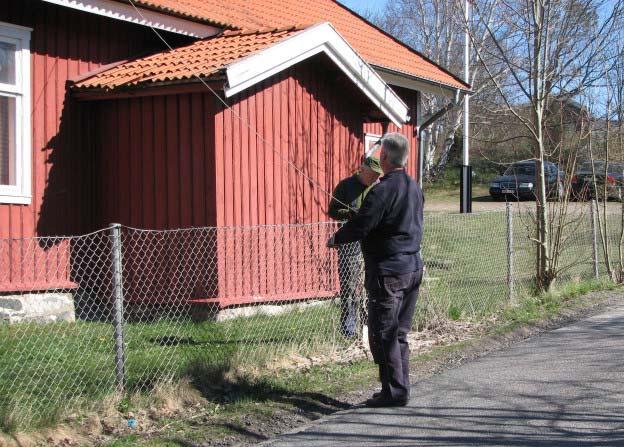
{"x":389,"y":223}
{"x":346,"y":200}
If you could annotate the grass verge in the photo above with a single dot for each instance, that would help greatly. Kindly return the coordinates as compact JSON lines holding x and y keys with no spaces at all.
{"x":226,"y":405}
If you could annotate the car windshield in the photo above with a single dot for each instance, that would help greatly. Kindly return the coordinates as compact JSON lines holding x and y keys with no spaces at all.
{"x":524,"y":169}
{"x":614,"y":168}
{"x":587,"y":166}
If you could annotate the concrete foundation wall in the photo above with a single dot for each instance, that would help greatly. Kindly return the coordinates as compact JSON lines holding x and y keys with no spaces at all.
{"x":37,"y":308}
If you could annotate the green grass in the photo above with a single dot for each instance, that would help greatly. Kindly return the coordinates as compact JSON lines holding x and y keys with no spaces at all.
{"x":466,"y":266}
{"x":48,"y":368}
{"x":537,"y":308}
{"x":288,"y":389}
{"x":442,"y":193}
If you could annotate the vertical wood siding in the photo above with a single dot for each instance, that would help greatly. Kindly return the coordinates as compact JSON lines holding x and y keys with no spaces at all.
{"x":192,"y":162}
{"x":298,"y":134}
{"x":155,"y":158}
{"x":64,"y":43}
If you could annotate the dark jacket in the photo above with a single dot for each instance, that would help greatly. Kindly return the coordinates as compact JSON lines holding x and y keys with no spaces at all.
{"x":389,"y":224}
{"x":349,"y":191}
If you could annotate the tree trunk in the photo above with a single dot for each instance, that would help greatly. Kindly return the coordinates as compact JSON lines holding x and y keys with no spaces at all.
{"x":544,"y":277}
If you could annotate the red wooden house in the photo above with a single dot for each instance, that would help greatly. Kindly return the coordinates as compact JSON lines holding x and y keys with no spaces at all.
{"x":258,"y":108}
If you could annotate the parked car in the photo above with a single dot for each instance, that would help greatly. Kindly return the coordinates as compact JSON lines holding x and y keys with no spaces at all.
{"x":519,"y":181}
{"x":583,"y":180}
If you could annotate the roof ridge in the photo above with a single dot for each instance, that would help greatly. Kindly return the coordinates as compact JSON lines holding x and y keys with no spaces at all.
{"x":265,"y":30}
{"x":400,"y":42}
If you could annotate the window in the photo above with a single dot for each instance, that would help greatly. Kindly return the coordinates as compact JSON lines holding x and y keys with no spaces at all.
{"x":521,"y":169}
{"x":369,"y":141}
{"x":15,"y":150}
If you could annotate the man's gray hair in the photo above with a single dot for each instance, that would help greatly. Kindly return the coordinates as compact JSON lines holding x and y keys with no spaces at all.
{"x":397,"y":148}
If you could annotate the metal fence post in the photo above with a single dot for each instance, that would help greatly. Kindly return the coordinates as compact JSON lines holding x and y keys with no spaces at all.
{"x":510,"y":252}
{"x":592,"y":212}
{"x":120,"y":360}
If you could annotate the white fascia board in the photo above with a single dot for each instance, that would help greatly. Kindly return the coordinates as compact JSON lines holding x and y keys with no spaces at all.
{"x":421,"y":85}
{"x":253,"y":69}
{"x":145,"y":17}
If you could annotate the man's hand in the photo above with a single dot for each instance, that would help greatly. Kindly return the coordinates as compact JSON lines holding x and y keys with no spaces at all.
{"x":331,"y":244}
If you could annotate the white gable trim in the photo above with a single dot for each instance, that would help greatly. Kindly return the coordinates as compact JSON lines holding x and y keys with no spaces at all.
{"x":146,"y":17}
{"x":322,"y":38}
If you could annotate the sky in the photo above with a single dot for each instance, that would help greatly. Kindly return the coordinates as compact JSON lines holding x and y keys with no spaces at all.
{"x":364,"y":5}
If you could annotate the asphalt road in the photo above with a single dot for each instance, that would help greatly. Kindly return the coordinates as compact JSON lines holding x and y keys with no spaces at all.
{"x":564,"y":388}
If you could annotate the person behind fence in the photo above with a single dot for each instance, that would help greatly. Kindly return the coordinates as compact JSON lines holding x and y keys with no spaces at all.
{"x":389,"y":223}
{"x":346,"y":200}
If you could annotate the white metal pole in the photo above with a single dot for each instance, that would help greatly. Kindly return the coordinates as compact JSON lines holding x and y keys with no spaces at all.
{"x":465,"y":203}
{"x":466,"y":151}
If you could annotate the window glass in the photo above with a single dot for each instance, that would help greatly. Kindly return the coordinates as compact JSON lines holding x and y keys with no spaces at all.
{"x":7,"y":140}
{"x":523,"y":169}
{"x":7,"y":63}
{"x":587,"y":166}
{"x":616,"y":168}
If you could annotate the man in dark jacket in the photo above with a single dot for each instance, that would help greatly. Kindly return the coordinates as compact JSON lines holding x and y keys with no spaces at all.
{"x":389,"y":223}
{"x":346,"y":200}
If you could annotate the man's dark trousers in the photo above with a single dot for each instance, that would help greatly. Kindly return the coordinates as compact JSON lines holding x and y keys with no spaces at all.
{"x":392,"y":300}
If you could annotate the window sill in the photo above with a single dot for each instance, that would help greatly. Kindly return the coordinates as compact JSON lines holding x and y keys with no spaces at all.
{"x":15,"y":200}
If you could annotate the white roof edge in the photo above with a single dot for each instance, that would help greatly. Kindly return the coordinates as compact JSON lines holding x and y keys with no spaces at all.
{"x":145,"y":17}
{"x":321,"y":38}
{"x":424,"y":85}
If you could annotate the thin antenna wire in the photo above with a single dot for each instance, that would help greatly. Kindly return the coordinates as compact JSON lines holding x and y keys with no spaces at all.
{"x":243,"y":120}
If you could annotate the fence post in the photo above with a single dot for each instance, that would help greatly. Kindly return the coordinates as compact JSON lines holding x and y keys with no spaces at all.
{"x":510,"y":252}
{"x":592,"y":212}
{"x":120,"y":360}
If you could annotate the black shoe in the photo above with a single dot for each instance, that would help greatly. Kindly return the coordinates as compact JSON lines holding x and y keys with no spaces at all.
{"x":378,"y":393}
{"x":384,"y":401}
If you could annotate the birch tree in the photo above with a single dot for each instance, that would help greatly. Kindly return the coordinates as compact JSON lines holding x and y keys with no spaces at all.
{"x":547,"y":48}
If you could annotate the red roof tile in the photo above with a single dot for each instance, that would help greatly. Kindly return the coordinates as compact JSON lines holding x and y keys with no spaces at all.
{"x":202,"y":58}
{"x":375,"y":46}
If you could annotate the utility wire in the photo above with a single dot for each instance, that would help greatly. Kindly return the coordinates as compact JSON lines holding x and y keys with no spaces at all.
{"x":243,"y":120}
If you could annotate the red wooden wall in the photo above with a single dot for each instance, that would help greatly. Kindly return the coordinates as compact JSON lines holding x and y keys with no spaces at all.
{"x":155,"y":161}
{"x":298,"y":134}
{"x":64,"y":43}
{"x":281,"y":149}
{"x":185,"y":160}
{"x":156,"y":170}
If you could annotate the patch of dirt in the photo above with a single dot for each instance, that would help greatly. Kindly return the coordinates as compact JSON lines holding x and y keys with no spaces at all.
{"x":182,"y":407}
{"x":421,"y":342}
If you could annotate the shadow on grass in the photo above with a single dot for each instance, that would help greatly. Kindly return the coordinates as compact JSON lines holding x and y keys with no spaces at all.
{"x":219,"y":383}
{"x":245,"y":432}
{"x":189,"y":341}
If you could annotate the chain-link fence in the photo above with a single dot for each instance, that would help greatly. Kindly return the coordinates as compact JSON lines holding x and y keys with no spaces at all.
{"x":123,"y":310}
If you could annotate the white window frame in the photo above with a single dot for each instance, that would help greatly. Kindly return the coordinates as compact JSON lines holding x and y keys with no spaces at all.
{"x":372,"y":139}
{"x":20,"y":193}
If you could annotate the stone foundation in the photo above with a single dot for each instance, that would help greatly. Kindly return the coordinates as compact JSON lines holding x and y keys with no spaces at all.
{"x":37,"y":308}
{"x":265,"y":309}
